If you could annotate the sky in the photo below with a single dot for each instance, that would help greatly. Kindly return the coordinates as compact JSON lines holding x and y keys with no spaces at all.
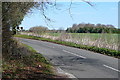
{"x":81,"y":12}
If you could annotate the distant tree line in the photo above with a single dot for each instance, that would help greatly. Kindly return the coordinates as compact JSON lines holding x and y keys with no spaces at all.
{"x":38,"y":29}
{"x":92,"y":28}
{"x":42,"y":29}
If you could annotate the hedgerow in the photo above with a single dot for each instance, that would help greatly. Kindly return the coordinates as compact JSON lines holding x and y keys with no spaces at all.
{"x":105,"y":51}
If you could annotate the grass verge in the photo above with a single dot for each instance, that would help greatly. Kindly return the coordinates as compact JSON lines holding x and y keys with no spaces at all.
{"x":28,"y":64}
{"x":105,"y":51}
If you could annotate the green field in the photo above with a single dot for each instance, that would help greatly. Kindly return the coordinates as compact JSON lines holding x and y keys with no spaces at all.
{"x":103,"y":40}
{"x":110,"y":38}
{"x":92,"y":35}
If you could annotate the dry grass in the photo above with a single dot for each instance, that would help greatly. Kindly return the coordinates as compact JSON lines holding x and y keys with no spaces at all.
{"x":109,"y":41}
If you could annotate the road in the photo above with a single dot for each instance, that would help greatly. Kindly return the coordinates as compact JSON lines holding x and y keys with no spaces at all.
{"x":78,"y":63}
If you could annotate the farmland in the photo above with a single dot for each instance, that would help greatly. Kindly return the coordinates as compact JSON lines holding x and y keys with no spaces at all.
{"x":109,"y":41}
{"x":104,"y":40}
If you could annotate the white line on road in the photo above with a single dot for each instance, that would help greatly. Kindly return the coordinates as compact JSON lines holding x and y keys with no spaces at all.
{"x":75,"y":54}
{"x":111,"y":68}
{"x":63,"y":72}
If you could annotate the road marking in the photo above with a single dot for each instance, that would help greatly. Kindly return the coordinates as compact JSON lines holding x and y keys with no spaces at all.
{"x":111,"y":68}
{"x":63,"y":72}
{"x":75,"y":54}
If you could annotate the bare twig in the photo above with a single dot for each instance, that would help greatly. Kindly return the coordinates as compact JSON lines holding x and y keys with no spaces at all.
{"x":55,"y":5}
{"x":88,"y":2}
{"x":70,"y":10}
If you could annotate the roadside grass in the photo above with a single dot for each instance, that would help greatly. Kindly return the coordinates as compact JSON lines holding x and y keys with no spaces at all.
{"x":105,"y":51}
{"x":101,"y":40}
{"x":26,"y":66}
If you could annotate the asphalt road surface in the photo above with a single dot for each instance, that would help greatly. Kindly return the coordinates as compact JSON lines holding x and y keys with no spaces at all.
{"x":76,"y":62}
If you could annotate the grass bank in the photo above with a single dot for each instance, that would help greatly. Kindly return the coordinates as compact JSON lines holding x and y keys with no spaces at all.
{"x":26,"y":64}
{"x":105,"y":51}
